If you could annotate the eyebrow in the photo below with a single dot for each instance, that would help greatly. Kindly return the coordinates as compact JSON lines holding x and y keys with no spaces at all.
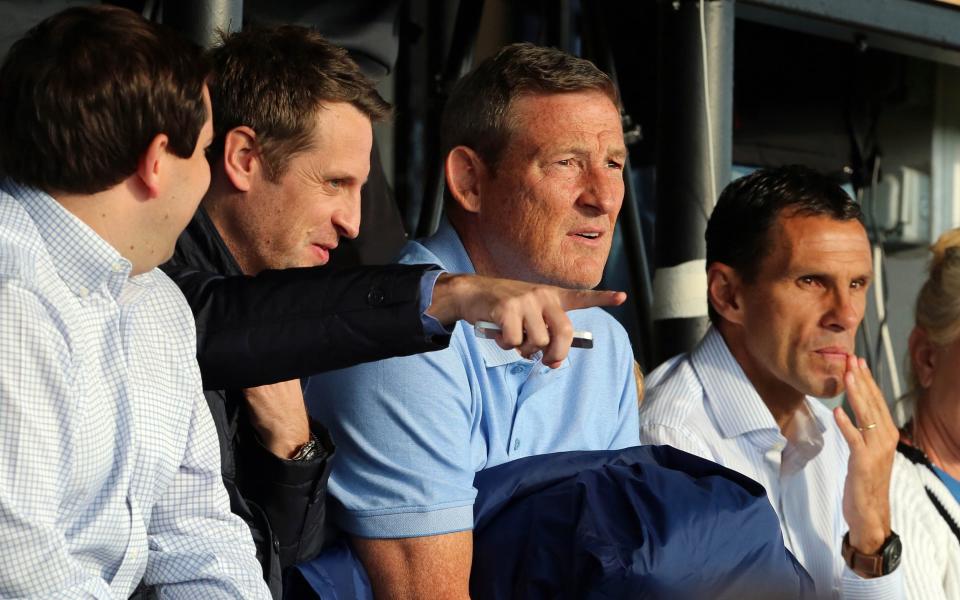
{"x":619,"y":152}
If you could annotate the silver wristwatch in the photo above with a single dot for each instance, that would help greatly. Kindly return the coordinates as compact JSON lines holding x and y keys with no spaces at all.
{"x":309,"y":450}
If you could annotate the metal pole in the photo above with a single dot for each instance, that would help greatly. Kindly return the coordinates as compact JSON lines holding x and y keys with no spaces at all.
{"x":201,"y":21}
{"x":693,"y":161}
{"x":458,"y":63}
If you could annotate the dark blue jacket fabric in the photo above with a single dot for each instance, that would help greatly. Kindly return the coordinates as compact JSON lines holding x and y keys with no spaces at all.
{"x":645,"y":522}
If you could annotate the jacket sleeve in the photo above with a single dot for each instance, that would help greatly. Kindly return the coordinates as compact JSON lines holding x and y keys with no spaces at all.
{"x":291,"y":493}
{"x":292,"y":323}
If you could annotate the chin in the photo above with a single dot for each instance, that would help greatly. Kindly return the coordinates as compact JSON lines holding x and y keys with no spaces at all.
{"x":827,"y":387}
{"x":575,"y":280}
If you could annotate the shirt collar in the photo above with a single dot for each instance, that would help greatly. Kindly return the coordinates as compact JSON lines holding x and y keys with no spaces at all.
{"x":446,"y":245}
{"x":83,"y":259}
{"x":448,"y":248}
{"x":743,"y":411}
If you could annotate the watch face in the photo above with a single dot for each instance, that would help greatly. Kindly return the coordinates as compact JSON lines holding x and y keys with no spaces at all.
{"x":891,"y":553}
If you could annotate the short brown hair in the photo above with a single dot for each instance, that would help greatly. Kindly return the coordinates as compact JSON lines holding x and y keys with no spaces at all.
{"x":274,"y":80}
{"x":477,"y":113}
{"x":84,"y":93}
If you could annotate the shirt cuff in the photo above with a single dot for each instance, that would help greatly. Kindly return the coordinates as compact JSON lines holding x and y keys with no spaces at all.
{"x":418,"y":522}
{"x":888,"y":587}
{"x":431,"y":326}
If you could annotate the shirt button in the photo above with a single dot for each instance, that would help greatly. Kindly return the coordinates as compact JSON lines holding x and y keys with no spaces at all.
{"x":375,"y":297}
{"x":516,"y":444}
{"x":517,"y":369}
{"x":117,"y":267}
{"x":84,"y":292}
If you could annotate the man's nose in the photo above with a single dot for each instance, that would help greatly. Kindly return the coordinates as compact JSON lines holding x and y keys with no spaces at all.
{"x":603,"y":190}
{"x":844,"y":313}
{"x":347,"y":218}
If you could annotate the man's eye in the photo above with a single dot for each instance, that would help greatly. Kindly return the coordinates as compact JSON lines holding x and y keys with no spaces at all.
{"x":614,"y":165}
{"x":335,"y":183}
{"x":809,"y":280}
{"x":858,"y":284}
{"x":565,"y":162}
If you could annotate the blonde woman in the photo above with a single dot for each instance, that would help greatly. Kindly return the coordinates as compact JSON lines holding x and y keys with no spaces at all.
{"x":925,"y":487}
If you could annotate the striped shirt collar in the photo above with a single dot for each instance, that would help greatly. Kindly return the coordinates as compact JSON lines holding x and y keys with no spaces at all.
{"x":83,"y":259}
{"x":742,"y":410}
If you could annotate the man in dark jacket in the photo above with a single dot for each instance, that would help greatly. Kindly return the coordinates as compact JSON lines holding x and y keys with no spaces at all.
{"x":292,"y":118}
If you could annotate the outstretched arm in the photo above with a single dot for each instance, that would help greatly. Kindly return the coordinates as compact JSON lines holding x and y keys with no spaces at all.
{"x":288,"y":324}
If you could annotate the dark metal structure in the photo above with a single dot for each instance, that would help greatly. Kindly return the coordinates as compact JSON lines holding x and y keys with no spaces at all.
{"x":693,"y":160}
{"x":201,"y":20}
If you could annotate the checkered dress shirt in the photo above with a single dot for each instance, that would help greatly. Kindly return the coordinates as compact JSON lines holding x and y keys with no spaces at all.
{"x":109,"y":462}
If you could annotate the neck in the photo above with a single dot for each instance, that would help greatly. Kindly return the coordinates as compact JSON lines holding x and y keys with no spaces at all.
{"x":218,"y":203}
{"x":111,"y":214}
{"x":483,"y":263}
{"x":781,"y":399}
{"x":931,"y":433}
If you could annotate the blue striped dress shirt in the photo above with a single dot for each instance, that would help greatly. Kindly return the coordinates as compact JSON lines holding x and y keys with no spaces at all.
{"x":109,"y":462}
{"x":703,"y":403}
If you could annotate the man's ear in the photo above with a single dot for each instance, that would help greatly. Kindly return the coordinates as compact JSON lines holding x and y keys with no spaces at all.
{"x":724,"y":288}
{"x":151,"y":165}
{"x":923,"y":356}
{"x":241,"y":157}
{"x":465,"y":172}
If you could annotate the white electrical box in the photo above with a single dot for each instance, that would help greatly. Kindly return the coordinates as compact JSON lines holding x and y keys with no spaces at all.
{"x":901,"y":207}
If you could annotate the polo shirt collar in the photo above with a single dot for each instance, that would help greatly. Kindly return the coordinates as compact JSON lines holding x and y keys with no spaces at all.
{"x":446,"y":245}
{"x":83,"y":259}
{"x":453,"y":257}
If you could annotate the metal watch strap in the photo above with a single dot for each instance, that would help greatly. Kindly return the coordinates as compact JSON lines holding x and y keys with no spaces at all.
{"x":308,"y":450}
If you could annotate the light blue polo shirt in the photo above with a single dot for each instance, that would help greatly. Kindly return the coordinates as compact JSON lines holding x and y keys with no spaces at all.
{"x":411,"y":432}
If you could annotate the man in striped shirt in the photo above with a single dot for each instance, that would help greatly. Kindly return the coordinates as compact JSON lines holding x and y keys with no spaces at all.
{"x":788,"y":266}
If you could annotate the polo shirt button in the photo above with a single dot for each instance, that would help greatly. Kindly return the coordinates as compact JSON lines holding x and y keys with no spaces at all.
{"x":517,"y":369}
{"x":516,"y":444}
{"x":375,"y":297}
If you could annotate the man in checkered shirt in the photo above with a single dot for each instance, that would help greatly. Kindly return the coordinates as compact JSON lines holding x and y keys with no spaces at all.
{"x":109,"y":462}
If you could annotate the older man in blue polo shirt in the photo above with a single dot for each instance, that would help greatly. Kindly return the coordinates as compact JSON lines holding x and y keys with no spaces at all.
{"x":534,"y":175}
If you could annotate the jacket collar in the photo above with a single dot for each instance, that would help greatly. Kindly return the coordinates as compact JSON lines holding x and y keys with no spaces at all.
{"x":200,"y":245}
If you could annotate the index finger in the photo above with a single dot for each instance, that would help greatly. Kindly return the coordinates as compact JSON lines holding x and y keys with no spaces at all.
{"x":576,"y":299}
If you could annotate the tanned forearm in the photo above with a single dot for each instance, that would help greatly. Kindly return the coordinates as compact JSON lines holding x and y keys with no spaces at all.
{"x":426,"y":568}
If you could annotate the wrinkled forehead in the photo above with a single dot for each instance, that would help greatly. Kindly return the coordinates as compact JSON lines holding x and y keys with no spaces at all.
{"x":584,"y":118}
{"x":818,"y":244}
